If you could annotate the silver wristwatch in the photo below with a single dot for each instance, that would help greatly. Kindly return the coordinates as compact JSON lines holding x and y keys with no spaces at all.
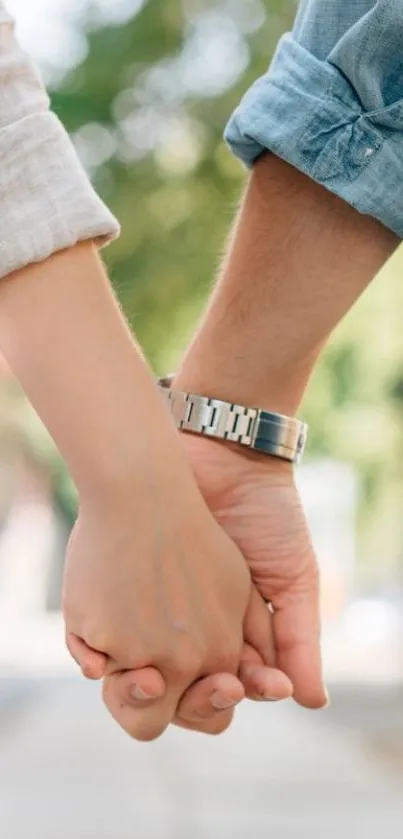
{"x":259,"y":430}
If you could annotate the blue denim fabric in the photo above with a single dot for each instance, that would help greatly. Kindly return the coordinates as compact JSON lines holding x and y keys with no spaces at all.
{"x":331,"y":104}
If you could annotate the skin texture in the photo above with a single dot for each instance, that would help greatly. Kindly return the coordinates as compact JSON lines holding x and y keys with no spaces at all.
{"x":152,"y":583}
{"x":298,"y":258}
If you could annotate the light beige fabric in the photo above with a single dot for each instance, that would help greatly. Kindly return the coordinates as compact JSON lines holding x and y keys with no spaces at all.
{"x":46,"y":200}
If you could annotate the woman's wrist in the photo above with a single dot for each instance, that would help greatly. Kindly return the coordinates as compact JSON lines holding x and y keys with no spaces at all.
{"x":67,"y":342}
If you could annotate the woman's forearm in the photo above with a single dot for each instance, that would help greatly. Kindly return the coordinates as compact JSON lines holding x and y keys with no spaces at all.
{"x":67,"y":342}
{"x":298,"y":260}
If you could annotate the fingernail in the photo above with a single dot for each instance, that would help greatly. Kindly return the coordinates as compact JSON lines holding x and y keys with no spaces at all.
{"x":264,"y":697}
{"x":220,"y":702}
{"x":138,"y":693}
{"x":327,"y":703}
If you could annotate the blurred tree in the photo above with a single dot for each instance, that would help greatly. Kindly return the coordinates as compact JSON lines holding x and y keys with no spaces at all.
{"x":147,"y":110}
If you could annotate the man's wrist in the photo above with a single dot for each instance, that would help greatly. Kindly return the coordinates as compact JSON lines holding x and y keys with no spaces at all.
{"x":270,"y":432}
{"x":279,"y":391}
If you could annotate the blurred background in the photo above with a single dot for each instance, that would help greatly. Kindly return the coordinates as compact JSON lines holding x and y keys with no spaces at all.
{"x":145,"y":88}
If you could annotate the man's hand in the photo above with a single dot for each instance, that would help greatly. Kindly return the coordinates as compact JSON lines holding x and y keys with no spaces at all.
{"x":297,"y":260}
{"x":255,"y":500}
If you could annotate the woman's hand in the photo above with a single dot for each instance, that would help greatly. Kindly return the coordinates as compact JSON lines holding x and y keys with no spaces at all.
{"x":154,"y":584}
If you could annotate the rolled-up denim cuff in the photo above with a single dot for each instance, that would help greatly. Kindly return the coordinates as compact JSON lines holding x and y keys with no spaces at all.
{"x":305,"y":111}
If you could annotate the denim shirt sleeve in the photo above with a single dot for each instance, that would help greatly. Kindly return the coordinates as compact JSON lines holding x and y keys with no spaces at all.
{"x":331,"y":104}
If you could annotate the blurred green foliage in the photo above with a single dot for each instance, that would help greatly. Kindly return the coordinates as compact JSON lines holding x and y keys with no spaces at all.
{"x":156,"y":92}
{"x":146,"y":108}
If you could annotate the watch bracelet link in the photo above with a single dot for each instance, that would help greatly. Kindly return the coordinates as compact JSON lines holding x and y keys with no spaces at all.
{"x":263,"y":431}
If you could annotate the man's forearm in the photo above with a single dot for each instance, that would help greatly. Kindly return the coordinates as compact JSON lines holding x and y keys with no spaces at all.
{"x":66,"y":340}
{"x":298,"y":259}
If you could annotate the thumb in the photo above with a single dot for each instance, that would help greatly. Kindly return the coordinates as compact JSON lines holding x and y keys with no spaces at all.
{"x":296,"y":624}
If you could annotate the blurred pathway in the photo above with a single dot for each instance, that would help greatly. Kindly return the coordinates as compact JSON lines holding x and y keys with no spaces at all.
{"x":66,"y":772}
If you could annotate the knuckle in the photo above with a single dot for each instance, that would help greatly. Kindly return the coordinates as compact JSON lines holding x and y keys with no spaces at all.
{"x":226,"y":652}
{"x":190,"y":658}
{"x":184,"y":664}
{"x":226,"y":658}
{"x":98,"y":638}
{"x":188,"y":665}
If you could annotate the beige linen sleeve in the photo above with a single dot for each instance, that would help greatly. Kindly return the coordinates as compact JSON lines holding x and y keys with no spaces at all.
{"x":46,"y":200}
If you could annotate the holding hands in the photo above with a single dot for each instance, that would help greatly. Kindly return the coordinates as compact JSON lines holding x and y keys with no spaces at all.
{"x":181,"y":541}
{"x":159,"y":602}
{"x":192,"y":665}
